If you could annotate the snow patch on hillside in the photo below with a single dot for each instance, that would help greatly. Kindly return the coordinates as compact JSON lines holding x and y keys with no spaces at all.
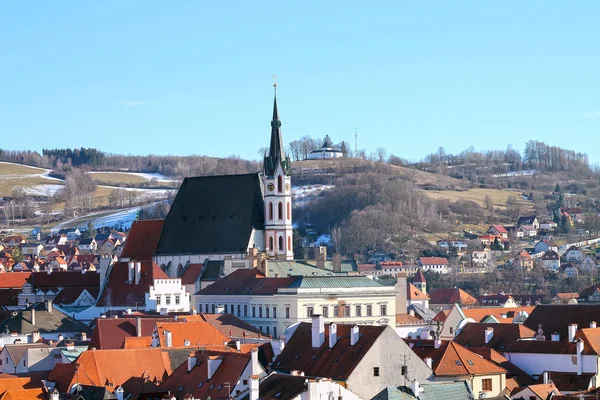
{"x":305,"y":194}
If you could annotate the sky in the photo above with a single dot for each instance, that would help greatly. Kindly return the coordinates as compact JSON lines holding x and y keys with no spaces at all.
{"x":195,"y":77}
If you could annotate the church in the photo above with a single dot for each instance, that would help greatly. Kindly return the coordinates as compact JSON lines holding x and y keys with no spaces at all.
{"x":231,"y":218}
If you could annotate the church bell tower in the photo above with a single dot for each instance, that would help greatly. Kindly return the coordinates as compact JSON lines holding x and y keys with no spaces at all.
{"x":277,"y":177}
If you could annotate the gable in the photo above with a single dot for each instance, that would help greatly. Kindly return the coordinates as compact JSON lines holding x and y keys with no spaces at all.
{"x":213,"y":214}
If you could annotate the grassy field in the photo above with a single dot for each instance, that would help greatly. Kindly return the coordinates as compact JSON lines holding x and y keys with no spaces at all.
{"x":116,"y":178}
{"x":14,"y":175}
{"x":498,"y":196}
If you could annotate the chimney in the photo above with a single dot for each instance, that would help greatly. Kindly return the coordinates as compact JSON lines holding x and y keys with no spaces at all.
{"x":437,"y":343}
{"x":254,"y":387}
{"x":55,"y":395}
{"x":254,"y":366}
{"x":429,"y":362}
{"x":354,"y":335}
{"x":33,"y":316}
{"x":401,"y":289}
{"x":70,"y":346}
{"x":192,"y":361}
{"x":84,"y":336}
{"x":555,"y":337}
{"x":119,"y":393}
{"x":337,"y":262}
{"x":546,"y":377}
{"x":186,"y":343}
{"x":130,"y":276}
{"x":60,"y":338}
{"x":49,"y":306}
{"x":212,"y":364}
{"x":489,"y":334}
{"x":238,"y":345}
{"x":332,"y":335}
{"x":138,"y":326}
{"x":579,"y":356}
{"x":416,"y":388}
{"x":138,"y":272}
{"x":168,"y":339}
{"x":35,"y":336}
{"x":572,"y":332}
{"x":318,"y":331}
{"x":321,"y":260}
{"x":593,"y":324}
{"x":424,"y":334}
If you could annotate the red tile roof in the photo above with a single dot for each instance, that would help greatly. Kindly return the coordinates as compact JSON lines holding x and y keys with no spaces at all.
{"x":120,"y":293}
{"x":419,"y":277}
{"x":231,"y":326}
{"x":13,"y":280}
{"x":199,"y":333}
{"x":504,"y":315}
{"x":142,"y":240}
{"x":473,"y":335}
{"x":110,"y":333}
{"x":451,"y":296}
{"x":191,"y":274}
{"x":247,"y":281}
{"x":499,"y":228}
{"x":111,"y":368}
{"x":433,"y":261}
{"x":414,"y":294}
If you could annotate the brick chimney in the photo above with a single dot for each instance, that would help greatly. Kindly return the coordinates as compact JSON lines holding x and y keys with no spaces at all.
{"x":254,"y":371}
{"x":191,"y":361}
{"x":168,"y":339}
{"x":138,"y":272}
{"x":138,"y":326}
{"x":337,"y":262}
{"x":320,"y":259}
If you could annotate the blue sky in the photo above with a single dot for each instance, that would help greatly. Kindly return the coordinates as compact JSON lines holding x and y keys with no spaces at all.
{"x":194,"y":77}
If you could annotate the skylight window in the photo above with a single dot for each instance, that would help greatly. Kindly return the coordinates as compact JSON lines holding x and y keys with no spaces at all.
{"x":336,"y":360}
{"x":278,"y":394}
{"x":297,"y":356}
{"x":314,"y":357}
{"x":212,"y":386}
{"x":200,"y":384}
{"x":458,"y":363}
{"x":180,"y":388}
{"x":470,"y":362}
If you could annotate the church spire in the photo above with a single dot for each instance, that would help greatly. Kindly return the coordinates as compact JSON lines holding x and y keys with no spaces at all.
{"x":276,"y":154}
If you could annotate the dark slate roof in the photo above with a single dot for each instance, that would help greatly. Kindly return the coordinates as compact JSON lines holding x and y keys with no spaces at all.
{"x":212,"y":270}
{"x":281,"y":387}
{"x":526,"y":220}
{"x":558,"y":317}
{"x":91,"y":393}
{"x":213,"y":214}
{"x":64,"y":279}
{"x":45,"y":321}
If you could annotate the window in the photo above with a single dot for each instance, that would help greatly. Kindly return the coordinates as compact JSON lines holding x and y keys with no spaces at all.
{"x":167,"y":299}
{"x":0,"y":361}
{"x":336,"y":311}
{"x":309,"y":311}
{"x":225,"y":309}
{"x":239,"y":313}
{"x":260,"y":311}
{"x":25,"y":363}
{"x":245,"y":382}
{"x":268,"y":328}
{"x":346,"y":311}
{"x":267,"y":311}
{"x":280,"y":210}
{"x":375,"y":371}
{"x":214,"y":308}
{"x":253,"y":312}
{"x":369,"y":311}
{"x":279,"y":184}
{"x":325,"y":311}
{"x":289,"y":211}
{"x":358,"y":310}
{"x":274,"y":312}
{"x":275,"y":332}
{"x":158,"y":300}
{"x":451,"y":330}
{"x":486,"y":385}
{"x":245,"y":310}
{"x":281,"y":243}
{"x":270,"y":211}
{"x":287,"y":312}
{"x":383,"y":309}
{"x":271,"y":244}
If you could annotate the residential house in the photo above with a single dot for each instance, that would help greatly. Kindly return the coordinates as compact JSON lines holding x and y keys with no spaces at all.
{"x":565,"y":298}
{"x":56,"y":240}
{"x":588,"y":263}
{"x":31,"y":249}
{"x":168,"y":295}
{"x":107,"y":247}
{"x":575,"y":214}
{"x":497,"y":300}
{"x":88,"y":245}
{"x":529,"y":220}
{"x":444,"y":298}
{"x":523,"y":260}
{"x":498,"y":230}
{"x":569,"y":270}
{"x":12,"y":241}
{"x":58,"y":264}
{"x":460,"y":245}
{"x":428,"y":391}
{"x":364,"y":358}
{"x":548,"y":225}
{"x":545,"y":246}
{"x":480,"y":258}
{"x":78,"y":286}
{"x":215,"y":375}
{"x":435,"y":264}
{"x":35,"y":357}
{"x":573,"y":254}
{"x":551,"y":260}
{"x":540,"y":391}
{"x":273,"y":304}
{"x":452,"y":362}
{"x":527,"y":231}
{"x":493,"y":335}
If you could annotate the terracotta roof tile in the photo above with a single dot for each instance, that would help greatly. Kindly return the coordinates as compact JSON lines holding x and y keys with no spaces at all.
{"x":192,"y":274}
{"x":419,"y":277}
{"x":13,"y":280}
{"x":247,"y":281}
{"x":199,"y":333}
{"x":142,"y":240}
{"x":231,"y":326}
{"x":451,"y":296}
{"x":433,"y":261}
{"x":23,"y":394}
{"x":111,"y":333}
{"x":120,"y":293}
{"x":504,"y":315}
{"x":414,"y":294}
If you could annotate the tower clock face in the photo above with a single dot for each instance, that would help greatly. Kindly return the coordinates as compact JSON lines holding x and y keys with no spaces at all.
{"x":271,"y":187}
{"x":287,"y":186}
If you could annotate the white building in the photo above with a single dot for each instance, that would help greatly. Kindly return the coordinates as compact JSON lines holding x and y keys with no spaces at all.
{"x":327,"y":151}
{"x":168,"y":295}
{"x":273,"y":304}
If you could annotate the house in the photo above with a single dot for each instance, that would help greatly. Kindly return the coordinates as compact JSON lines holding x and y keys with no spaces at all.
{"x":435,"y":264}
{"x":31,"y":249}
{"x":569,"y":269}
{"x":529,"y":220}
{"x":88,"y":245}
{"x":492,"y":335}
{"x":215,"y":375}
{"x":43,"y":286}
{"x":523,"y":260}
{"x":548,"y":225}
{"x":273,"y":304}
{"x":445,"y":298}
{"x":297,"y":387}
{"x":56,"y":240}
{"x":452,"y":362}
{"x":574,"y":213}
{"x":588,"y":263}
{"x":498,"y":230}
{"x":526,"y":231}
{"x":573,"y":254}
{"x":480,"y":258}
{"x":460,"y":245}
{"x":545,"y":246}
{"x":565,"y":298}
{"x":540,"y":391}
{"x":590,"y":294}
{"x":428,"y":391}
{"x":363,"y":358}
{"x":58,"y":264}
{"x":497,"y":300}
{"x":107,"y":247}
{"x":327,"y":151}
{"x":12,"y":241}
{"x":526,"y":300}
{"x":551,"y":260}
{"x":168,"y":295}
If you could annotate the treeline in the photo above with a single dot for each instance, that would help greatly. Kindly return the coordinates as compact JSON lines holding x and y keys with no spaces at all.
{"x":539,"y":155}
{"x":75,"y":157}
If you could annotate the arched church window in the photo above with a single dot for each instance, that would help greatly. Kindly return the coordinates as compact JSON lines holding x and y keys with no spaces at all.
{"x":289,"y":243}
{"x":289,"y":211}
{"x":279,"y":184}
{"x":270,"y":211}
{"x":281,"y":248}
{"x":271,"y":244}
{"x":280,"y":210}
